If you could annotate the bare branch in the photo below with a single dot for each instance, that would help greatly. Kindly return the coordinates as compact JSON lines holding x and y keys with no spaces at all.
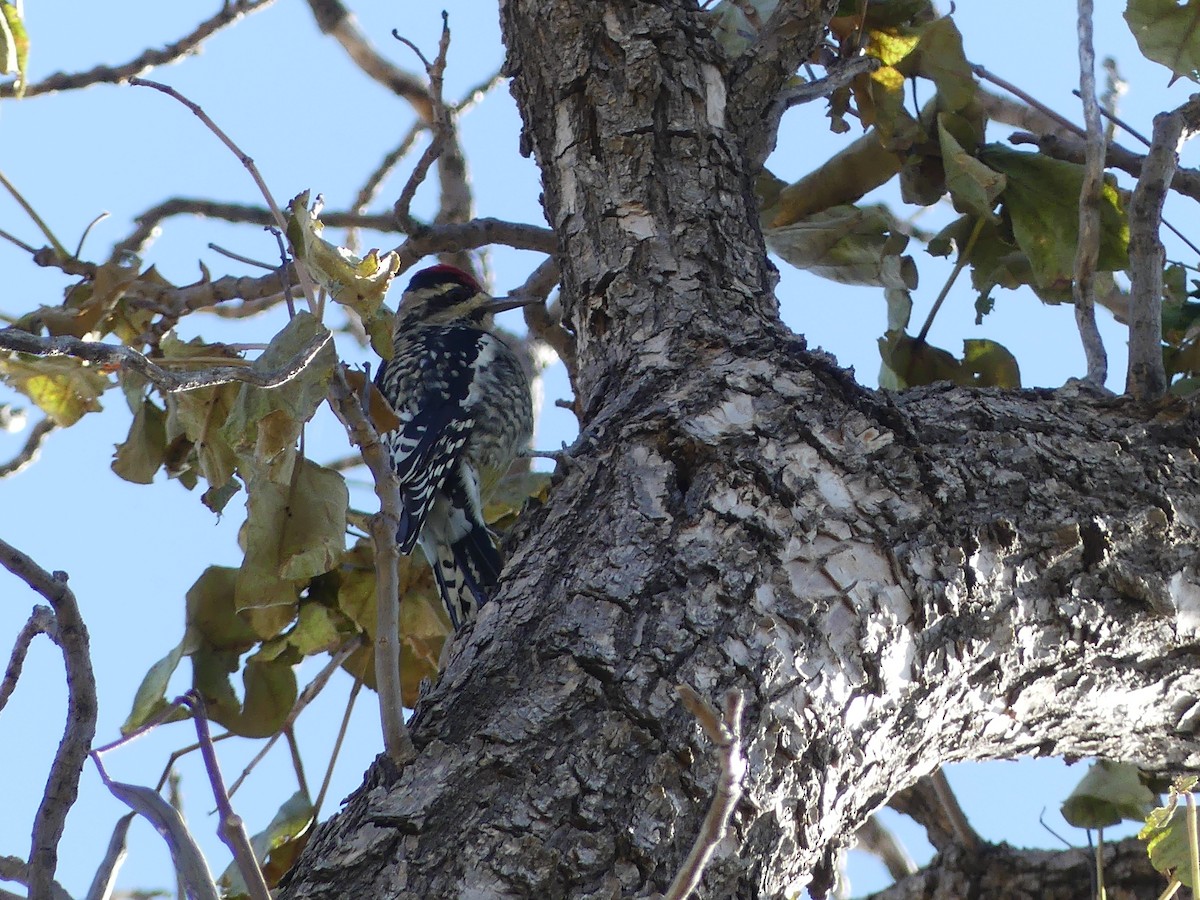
{"x":1060,"y":121}
{"x":348,"y":409}
{"x":310,"y":291}
{"x":374,"y":182}
{"x":105,"y":878}
{"x":311,"y":690}
{"x":724,"y":729}
{"x":14,"y":869}
{"x":538,"y":319}
{"x":334,"y":19}
{"x":439,"y":126}
{"x":476,"y":233}
{"x":1146,"y":378}
{"x":62,"y":784}
{"x":186,"y":45}
{"x":29,"y":453}
{"x":148,"y":221}
{"x":231,"y":829}
{"x":1087,"y":250}
{"x":835,"y":79}
{"x":40,"y":621}
{"x":872,"y":837}
{"x":127,"y":358}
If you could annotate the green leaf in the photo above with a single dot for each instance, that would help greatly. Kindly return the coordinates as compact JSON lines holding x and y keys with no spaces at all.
{"x":1108,"y":793}
{"x":268,"y":420}
{"x":151,"y":696}
{"x":141,"y":454}
{"x":277,"y":847}
{"x":974,"y":188}
{"x":358,"y":283}
{"x":990,"y":364}
{"x":908,"y":362}
{"x":1166,"y":834}
{"x":293,"y":532}
{"x":65,"y":389}
{"x":212,"y":614}
{"x":848,"y":245}
{"x":1041,"y":199}
{"x":198,"y":415}
{"x":1168,"y":33}
{"x":14,"y":45}
{"x":315,"y":630}
{"x":269,"y":689}
{"x":423,"y":622}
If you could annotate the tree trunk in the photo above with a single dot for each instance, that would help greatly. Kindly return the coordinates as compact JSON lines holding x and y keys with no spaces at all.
{"x":894,"y":582}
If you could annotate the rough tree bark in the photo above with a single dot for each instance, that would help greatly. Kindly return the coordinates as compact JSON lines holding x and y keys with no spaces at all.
{"x":895,"y":582}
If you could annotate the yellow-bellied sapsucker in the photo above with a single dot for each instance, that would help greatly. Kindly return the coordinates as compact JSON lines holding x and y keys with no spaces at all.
{"x":465,"y":411}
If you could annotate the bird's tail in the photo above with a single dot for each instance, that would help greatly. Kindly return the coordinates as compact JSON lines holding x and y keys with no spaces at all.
{"x":467,"y":571}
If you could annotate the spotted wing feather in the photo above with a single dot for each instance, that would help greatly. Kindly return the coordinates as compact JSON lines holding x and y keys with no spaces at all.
{"x":428,"y":381}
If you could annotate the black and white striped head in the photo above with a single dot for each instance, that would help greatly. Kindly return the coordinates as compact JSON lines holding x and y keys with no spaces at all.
{"x":444,"y":295}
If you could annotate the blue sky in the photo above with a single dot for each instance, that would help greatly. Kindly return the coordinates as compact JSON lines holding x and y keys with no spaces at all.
{"x":294,"y":103}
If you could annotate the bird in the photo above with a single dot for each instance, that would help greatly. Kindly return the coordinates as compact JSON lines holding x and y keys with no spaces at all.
{"x":465,"y":410}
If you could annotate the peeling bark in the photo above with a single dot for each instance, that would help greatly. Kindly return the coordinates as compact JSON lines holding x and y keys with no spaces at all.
{"x":895,"y":582}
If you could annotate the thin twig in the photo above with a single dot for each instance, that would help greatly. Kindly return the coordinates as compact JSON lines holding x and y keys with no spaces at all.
{"x":337,"y":746}
{"x":374,"y":182}
{"x":348,"y":409}
{"x":836,"y":78}
{"x":1061,"y":121}
{"x":258,"y":264}
{"x":117,"y":356}
{"x":62,"y":784}
{"x":105,"y":878}
{"x":40,"y":621}
{"x":310,"y":292}
{"x":1146,"y":379}
{"x":333,"y":18}
{"x":959,"y":263}
{"x":29,"y":453}
{"x":189,"y":43}
{"x":310,"y":692}
{"x":17,"y":241}
{"x":724,"y":729}
{"x":32,"y":213}
{"x":232,"y":830}
{"x":1087,"y":249}
{"x":439,"y":125}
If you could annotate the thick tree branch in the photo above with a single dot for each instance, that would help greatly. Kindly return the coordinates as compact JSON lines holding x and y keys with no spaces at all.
{"x":229,"y":13}
{"x":1147,"y":379}
{"x":453,"y":238}
{"x":62,"y":784}
{"x":1017,"y":874}
{"x":117,"y":356}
